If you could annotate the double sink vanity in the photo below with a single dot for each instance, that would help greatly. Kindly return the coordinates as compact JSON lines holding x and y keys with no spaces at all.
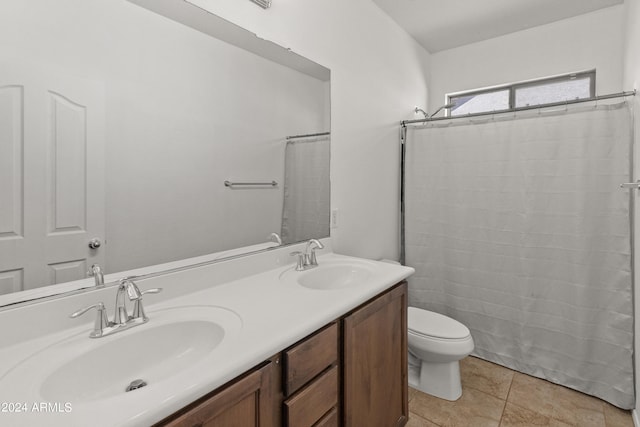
{"x":252,"y":339}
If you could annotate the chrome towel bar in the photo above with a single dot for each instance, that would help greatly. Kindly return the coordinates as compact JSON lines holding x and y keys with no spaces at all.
{"x":635,"y":185}
{"x":232,"y":184}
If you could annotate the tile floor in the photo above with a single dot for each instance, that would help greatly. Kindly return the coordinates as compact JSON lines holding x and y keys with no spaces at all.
{"x":494,"y":396}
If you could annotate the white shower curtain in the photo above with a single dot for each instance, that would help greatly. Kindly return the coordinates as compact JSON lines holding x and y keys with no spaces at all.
{"x":305,"y":211}
{"x":517,"y":228}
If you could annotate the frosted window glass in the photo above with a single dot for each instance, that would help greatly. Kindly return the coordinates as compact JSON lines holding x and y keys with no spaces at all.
{"x":553,"y":92}
{"x":487,"y":101}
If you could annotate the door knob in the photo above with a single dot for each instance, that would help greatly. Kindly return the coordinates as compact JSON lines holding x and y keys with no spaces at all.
{"x":94,"y":243}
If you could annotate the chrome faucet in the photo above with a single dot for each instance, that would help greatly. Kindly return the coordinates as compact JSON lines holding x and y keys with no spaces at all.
{"x":128,"y":286}
{"x":275,"y":238}
{"x":310,"y":252}
{"x":307,"y":259}
{"x":96,"y":272}
{"x":121,"y":319}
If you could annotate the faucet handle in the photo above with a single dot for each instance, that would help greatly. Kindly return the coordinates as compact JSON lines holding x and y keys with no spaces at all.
{"x":301,"y":258}
{"x":101,"y":321}
{"x":138,"y":309}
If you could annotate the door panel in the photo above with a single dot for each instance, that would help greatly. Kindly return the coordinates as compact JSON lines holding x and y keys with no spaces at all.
{"x":67,"y":271}
{"x":67,"y":165}
{"x":51,"y":175}
{"x":11,"y":281}
{"x":11,"y":201}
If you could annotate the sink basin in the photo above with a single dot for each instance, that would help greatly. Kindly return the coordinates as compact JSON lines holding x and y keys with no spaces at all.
{"x":334,"y":275}
{"x":79,"y":369}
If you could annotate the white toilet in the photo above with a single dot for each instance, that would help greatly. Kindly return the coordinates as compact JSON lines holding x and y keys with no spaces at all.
{"x":436,"y":344}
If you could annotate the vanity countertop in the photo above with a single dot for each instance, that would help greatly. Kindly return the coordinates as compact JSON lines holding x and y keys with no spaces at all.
{"x":274,"y":312}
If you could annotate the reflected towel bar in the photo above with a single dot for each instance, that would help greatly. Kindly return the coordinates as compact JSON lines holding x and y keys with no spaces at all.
{"x":231,"y":184}
{"x":308,"y":135}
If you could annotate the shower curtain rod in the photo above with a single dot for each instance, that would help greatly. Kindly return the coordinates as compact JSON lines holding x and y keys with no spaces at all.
{"x":404,"y":123}
{"x":308,"y":135}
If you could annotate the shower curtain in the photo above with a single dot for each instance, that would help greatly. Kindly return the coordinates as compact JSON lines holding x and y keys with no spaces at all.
{"x":305,"y":211}
{"x":517,"y":228}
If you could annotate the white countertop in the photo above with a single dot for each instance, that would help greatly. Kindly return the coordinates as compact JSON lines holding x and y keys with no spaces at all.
{"x":274,"y":314}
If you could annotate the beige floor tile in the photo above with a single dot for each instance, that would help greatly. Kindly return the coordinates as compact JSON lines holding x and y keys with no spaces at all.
{"x":412,"y":393}
{"x":575,"y":408}
{"x":474,"y":408}
{"x":531,"y":393}
{"x":560,"y":403}
{"x":516,"y":416}
{"x":616,"y":417}
{"x":557,"y":423}
{"x":418,"y":421}
{"x":486,"y":376}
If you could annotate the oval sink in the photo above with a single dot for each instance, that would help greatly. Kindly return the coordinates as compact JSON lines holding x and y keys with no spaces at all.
{"x":150,"y":354}
{"x":81,"y":369}
{"x":334,"y":275}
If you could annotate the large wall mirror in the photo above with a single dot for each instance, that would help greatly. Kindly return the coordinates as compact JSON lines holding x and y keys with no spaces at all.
{"x":120,"y":122}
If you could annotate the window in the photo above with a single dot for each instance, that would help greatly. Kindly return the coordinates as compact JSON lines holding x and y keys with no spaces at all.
{"x":523,"y":94}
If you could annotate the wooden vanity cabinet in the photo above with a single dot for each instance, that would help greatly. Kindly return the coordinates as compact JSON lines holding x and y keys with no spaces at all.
{"x":253,"y":400}
{"x":352,"y":373}
{"x":375,"y":362}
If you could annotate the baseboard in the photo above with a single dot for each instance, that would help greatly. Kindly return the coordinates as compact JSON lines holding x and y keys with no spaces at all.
{"x":636,"y":418}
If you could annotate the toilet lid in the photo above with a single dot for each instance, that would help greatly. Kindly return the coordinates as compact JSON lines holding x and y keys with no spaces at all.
{"x":428,"y":323}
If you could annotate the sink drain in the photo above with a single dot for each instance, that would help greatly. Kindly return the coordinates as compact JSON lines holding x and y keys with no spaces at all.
{"x":136,"y":384}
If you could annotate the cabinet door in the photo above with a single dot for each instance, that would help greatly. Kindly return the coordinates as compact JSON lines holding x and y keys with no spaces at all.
{"x":375,"y":362}
{"x":248,"y":402}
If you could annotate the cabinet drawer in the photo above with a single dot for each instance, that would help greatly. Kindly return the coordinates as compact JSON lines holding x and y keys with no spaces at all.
{"x":309,"y":405}
{"x":329,"y":420}
{"x":309,"y":358}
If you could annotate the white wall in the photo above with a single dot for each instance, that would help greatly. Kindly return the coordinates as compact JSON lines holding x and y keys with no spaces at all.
{"x":631,"y":80}
{"x":184,"y":112}
{"x":378,"y":74}
{"x":588,"y":41}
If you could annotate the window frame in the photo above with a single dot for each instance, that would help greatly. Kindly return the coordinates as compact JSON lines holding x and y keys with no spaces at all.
{"x":513,"y":87}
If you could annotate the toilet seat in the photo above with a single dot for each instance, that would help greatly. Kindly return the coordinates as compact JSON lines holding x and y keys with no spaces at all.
{"x":428,"y":324}
{"x":439,"y":340}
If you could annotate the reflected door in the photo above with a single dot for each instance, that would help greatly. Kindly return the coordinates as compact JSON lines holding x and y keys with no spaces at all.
{"x":51,"y":176}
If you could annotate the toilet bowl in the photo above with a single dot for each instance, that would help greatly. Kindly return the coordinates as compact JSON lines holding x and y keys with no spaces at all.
{"x":436,"y":344}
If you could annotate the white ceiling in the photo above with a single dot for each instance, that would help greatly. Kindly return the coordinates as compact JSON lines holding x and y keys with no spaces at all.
{"x":443,"y":24}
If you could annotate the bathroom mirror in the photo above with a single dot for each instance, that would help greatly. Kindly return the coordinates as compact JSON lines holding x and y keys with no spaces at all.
{"x":119,"y":126}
